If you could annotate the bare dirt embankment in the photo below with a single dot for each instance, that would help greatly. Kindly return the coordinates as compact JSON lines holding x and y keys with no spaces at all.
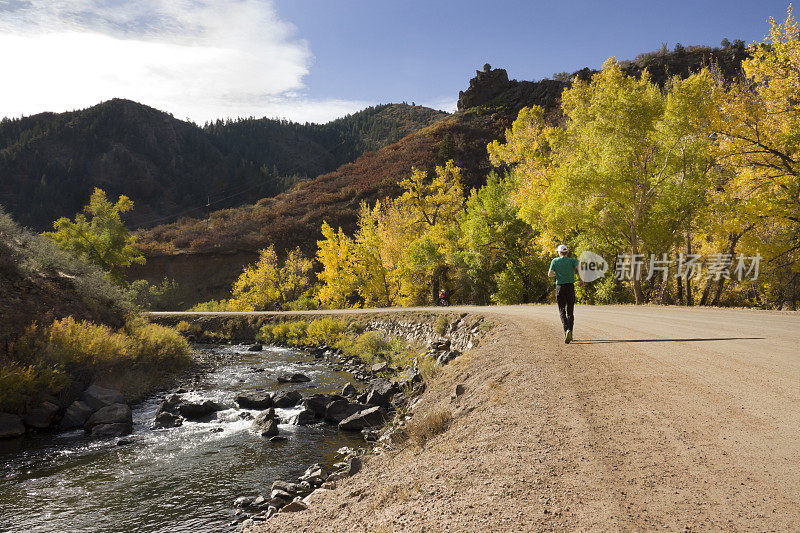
{"x":655,"y":418}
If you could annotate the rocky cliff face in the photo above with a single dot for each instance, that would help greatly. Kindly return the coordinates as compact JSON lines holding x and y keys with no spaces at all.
{"x":485,"y":86}
{"x":199,"y":277}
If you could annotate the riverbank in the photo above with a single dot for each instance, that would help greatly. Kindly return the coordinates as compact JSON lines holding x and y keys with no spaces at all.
{"x":438,"y":338}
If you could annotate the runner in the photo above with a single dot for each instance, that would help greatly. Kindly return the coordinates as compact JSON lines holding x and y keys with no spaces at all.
{"x":563,"y":268}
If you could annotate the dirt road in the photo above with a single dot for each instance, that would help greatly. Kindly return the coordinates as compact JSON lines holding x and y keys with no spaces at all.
{"x":653,"y":419}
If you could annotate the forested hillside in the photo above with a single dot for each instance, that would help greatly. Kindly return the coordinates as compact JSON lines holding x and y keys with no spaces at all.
{"x":230,"y":238}
{"x":51,"y":162}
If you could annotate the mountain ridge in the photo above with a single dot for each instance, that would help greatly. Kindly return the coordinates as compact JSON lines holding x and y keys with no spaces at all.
{"x":50,"y":162}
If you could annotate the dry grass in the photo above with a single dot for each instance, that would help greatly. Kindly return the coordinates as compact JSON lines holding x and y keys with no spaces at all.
{"x":423,"y":427}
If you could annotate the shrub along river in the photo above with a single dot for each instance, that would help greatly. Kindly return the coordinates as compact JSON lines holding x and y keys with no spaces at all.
{"x":170,"y":480}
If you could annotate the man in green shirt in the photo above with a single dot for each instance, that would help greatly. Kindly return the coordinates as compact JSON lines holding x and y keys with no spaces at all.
{"x":564,"y":268}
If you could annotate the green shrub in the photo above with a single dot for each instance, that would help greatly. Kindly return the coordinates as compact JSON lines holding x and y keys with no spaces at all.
{"x":372,"y":344}
{"x":213,"y":306}
{"x":350,"y":338}
{"x":274,"y":334}
{"x":305,"y":302}
{"x":325,"y":331}
{"x":22,"y":386}
{"x":440,"y":326}
{"x":34,"y":254}
{"x":74,"y":345}
{"x":154,"y":344}
{"x":298,"y":333}
{"x":158,"y":296}
{"x":85,"y":347}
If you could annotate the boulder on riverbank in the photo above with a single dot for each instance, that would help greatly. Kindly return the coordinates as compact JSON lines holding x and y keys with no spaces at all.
{"x":338,"y":410}
{"x":11,"y":426}
{"x":117,"y":417}
{"x":408,"y":378}
{"x":76,"y":415}
{"x":98,"y":397}
{"x":380,"y":392}
{"x":41,"y":417}
{"x":319,"y":402}
{"x":374,"y":416}
{"x":446,"y":357}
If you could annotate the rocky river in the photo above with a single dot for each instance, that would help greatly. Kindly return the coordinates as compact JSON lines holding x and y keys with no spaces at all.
{"x":178,"y":479}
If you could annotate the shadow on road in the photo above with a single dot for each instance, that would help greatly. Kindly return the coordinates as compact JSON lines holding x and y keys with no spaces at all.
{"x":611,"y":341}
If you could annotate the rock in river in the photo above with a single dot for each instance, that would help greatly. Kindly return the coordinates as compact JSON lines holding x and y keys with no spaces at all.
{"x":170,"y":404}
{"x":112,"y":430}
{"x":287,"y":399}
{"x":165,"y":419}
{"x":10,"y":426}
{"x":113,"y":420}
{"x":304,"y":418}
{"x":265,"y":423}
{"x":195,"y":410}
{"x":254,"y":400}
{"x":41,"y":417}
{"x":76,"y":415}
{"x":296,"y":377}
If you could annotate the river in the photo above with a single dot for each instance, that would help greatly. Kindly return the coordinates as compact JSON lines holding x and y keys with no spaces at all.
{"x":174,"y":480}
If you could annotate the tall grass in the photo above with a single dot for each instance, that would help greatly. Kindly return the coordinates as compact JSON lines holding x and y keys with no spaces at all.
{"x":87,"y":347}
{"x":424,"y":427}
{"x":46,"y":358}
{"x":21,"y":386}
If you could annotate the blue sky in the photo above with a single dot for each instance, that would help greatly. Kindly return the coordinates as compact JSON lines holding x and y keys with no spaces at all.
{"x":318,"y":59}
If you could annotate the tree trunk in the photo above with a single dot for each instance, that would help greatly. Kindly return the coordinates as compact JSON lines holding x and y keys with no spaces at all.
{"x":636,"y":273}
{"x":733,"y":238}
{"x":689,"y":298}
{"x":706,"y":292}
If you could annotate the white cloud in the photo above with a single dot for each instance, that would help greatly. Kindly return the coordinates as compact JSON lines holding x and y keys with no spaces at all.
{"x":202,"y":59}
{"x":445,"y":103}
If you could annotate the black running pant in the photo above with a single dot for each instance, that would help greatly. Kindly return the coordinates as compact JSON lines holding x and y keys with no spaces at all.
{"x":565,"y":296}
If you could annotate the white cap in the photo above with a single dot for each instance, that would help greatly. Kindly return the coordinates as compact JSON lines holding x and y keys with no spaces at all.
{"x":562,"y":249}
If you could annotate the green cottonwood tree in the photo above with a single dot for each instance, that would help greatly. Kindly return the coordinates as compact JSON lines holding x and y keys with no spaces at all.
{"x":98,"y":235}
{"x":625,"y":171}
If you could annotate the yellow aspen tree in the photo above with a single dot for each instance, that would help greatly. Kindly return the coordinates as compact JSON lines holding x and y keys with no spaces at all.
{"x":339,"y":281}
